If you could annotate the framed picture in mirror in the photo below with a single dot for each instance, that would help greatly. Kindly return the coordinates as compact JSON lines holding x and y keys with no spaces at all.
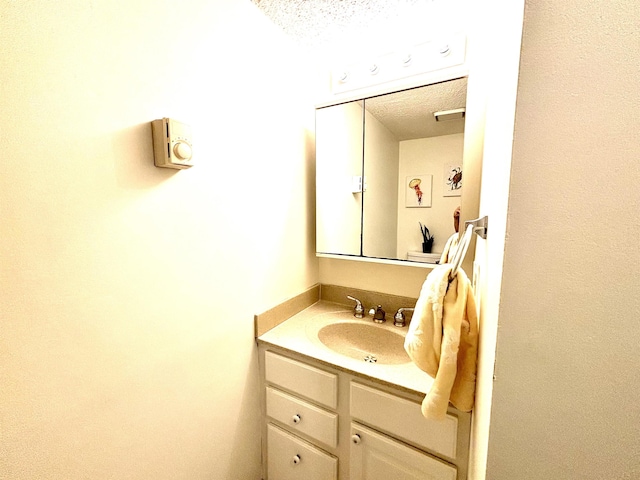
{"x":418,"y":190}
{"x":452,"y":181}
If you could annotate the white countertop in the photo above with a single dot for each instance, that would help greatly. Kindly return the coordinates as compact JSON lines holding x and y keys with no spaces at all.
{"x":299,"y":335}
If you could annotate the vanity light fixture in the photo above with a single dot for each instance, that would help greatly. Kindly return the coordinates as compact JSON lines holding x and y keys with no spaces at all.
{"x":445,"y":115}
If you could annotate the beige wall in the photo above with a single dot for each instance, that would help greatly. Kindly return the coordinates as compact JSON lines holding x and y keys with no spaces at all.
{"x":565,"y":401}
{"x":127,"y":291}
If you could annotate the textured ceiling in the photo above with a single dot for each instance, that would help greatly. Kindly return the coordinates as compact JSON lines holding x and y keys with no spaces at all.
{"x":348,"y":27}
{"x":314,"y":22}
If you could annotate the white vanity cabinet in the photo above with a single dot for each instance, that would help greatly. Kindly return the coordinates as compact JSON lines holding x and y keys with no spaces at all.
{"x":329,"y":424}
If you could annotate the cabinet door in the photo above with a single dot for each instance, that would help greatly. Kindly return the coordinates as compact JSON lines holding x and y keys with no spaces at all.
{"x":339,"y":189}
{"x":290,"y":458}
{"x":378,"y":457}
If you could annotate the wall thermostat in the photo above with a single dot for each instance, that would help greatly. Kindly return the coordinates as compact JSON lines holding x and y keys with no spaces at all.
{"x":171,"y":144}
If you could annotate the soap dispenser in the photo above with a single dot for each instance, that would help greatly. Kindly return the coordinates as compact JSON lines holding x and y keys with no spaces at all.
{"x":379,"y":316}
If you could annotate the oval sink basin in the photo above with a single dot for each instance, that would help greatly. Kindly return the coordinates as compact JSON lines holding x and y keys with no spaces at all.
{"x":367,"y":342}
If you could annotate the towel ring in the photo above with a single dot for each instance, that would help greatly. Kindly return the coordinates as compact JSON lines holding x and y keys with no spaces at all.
{"x":478,"y":226}
{"x":461,"y":251}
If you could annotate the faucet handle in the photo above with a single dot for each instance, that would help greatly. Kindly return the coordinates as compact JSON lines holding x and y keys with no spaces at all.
{"x":398,"y":318}
{"x":358,"y":310}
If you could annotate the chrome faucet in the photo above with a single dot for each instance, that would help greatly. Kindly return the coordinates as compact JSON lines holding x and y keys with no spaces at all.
{"x":358,"y":310}
{"x":398,"y":318}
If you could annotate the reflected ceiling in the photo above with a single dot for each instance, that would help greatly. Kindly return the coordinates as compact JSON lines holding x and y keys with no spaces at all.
{"x":409,"y":114}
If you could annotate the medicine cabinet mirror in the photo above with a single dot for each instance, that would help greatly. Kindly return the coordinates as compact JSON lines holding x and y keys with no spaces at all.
{"x":387,"y":165}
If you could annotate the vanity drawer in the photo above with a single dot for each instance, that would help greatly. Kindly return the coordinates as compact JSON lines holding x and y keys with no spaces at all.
{"x":404,"y":420}
{"x":305,"y":380}
{"x":290,"y":458}
{"x":300,"y":416}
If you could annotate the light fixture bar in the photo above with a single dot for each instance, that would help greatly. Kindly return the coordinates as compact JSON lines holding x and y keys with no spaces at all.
{"x":444,"y":115}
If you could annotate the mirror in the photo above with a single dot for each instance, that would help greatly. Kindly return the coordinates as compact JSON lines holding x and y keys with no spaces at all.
{"x":387,"y":166}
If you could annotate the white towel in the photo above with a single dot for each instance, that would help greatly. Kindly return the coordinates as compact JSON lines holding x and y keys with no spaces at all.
{"x":443,"y":341}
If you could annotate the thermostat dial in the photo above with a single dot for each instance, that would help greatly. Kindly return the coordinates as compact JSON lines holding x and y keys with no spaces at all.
{"x":182,"y":150}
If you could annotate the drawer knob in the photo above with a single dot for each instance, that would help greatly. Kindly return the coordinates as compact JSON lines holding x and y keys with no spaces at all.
{"x":296,"y":459}
{"x":355,"y":438}
{"x":297,"y":419}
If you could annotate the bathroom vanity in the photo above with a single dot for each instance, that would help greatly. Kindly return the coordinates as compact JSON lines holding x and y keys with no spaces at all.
{"x":341,"y":398}
{"x":337,"y":416}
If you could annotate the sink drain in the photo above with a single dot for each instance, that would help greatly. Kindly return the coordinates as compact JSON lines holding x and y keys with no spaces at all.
{"x":371,"y":359}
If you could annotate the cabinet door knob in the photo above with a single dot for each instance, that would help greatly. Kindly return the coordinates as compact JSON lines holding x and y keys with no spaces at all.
{"x":355,"y":438}
{"x":297,"y":418}
{"x":296,"y":459}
